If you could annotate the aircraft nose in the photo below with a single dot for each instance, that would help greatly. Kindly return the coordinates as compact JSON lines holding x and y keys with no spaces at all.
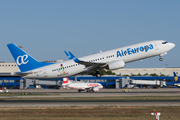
{"x":171,"y":45}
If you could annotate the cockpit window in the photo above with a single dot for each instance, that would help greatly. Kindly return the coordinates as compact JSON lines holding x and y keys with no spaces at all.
{"x":164,"y":42}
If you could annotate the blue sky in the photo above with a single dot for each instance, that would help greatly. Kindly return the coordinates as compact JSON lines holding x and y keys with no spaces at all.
{"x":48,"y":27}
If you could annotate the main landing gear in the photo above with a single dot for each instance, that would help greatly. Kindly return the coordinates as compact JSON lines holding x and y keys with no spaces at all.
{"x":98,"y":74}
{"x":90,"y":90}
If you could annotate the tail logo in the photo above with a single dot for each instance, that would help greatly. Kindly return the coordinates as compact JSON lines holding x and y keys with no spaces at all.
{"x":22,"y":59}
{"x":65,"y":80}
{"x":175,"y":78}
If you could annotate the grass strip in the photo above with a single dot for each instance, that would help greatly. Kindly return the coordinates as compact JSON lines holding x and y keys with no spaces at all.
{"x":89,"y":113}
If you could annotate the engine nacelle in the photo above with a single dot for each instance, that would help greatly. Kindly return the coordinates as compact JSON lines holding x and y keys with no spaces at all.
{"x":116,"y":65}
{"x":95,"y":89}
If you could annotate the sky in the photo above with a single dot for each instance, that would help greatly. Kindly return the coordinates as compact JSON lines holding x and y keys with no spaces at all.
{"x":48,"y":27}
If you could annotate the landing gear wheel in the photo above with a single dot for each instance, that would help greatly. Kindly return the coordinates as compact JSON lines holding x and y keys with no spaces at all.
{"x":160,"y":59}
{"x":79,"y":90}
{"x":88,"y":91}
{"x":97,"y":74}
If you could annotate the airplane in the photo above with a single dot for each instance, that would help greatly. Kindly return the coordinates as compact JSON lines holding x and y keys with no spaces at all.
{"x":81,"y":86}
{"x":112,"y":59}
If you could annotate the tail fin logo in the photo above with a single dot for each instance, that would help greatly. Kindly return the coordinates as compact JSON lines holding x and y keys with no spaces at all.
{"x":22,"y":59}
{"x":65,"y":80}
{"x":176,"y":78}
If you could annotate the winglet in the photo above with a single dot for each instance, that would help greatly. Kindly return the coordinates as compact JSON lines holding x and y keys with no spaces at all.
{"x":68,"y":55}
{"x":175,"y":77}
{"x":74,"y":58}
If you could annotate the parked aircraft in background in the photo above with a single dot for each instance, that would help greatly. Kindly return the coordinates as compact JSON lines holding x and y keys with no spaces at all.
{"x":176,"y":80}
{"x":112,"y":60}
{"x":81,"y":86}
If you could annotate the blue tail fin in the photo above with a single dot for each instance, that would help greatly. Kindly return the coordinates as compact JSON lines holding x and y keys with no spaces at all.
{"x":175,"y":77}
{"x":24,"y":61}
{"x":68,"y":55}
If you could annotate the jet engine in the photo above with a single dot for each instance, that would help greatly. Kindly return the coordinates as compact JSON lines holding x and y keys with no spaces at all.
{"x":116,"y":65}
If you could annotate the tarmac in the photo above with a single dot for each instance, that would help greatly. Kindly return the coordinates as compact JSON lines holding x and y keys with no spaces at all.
{"x":101,"y":93}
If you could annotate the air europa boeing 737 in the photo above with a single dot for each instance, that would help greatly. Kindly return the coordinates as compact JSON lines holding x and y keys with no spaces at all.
{"x":112,"y":60}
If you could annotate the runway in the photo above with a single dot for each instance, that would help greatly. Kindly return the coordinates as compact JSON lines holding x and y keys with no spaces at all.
{"x":65,"y":94}
{"x":87,"y":103}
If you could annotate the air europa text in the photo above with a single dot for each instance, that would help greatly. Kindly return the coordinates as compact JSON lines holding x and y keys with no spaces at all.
{"x":130,"y":51}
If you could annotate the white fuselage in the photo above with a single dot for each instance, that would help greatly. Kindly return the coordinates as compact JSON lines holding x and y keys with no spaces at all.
{"x":127,"y":54}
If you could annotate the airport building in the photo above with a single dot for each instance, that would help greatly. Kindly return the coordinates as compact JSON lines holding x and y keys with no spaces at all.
{"x":142,"y":71}
{"x":7,"y":79}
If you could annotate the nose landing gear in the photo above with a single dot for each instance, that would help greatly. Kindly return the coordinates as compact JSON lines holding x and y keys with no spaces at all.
{"x":160,"y":59}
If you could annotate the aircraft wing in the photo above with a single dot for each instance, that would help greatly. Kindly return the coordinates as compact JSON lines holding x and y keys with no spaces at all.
{"x":91,"y":65}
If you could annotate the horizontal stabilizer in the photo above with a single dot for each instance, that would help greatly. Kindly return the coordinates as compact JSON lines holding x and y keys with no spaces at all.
{"x":22,"y":74}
